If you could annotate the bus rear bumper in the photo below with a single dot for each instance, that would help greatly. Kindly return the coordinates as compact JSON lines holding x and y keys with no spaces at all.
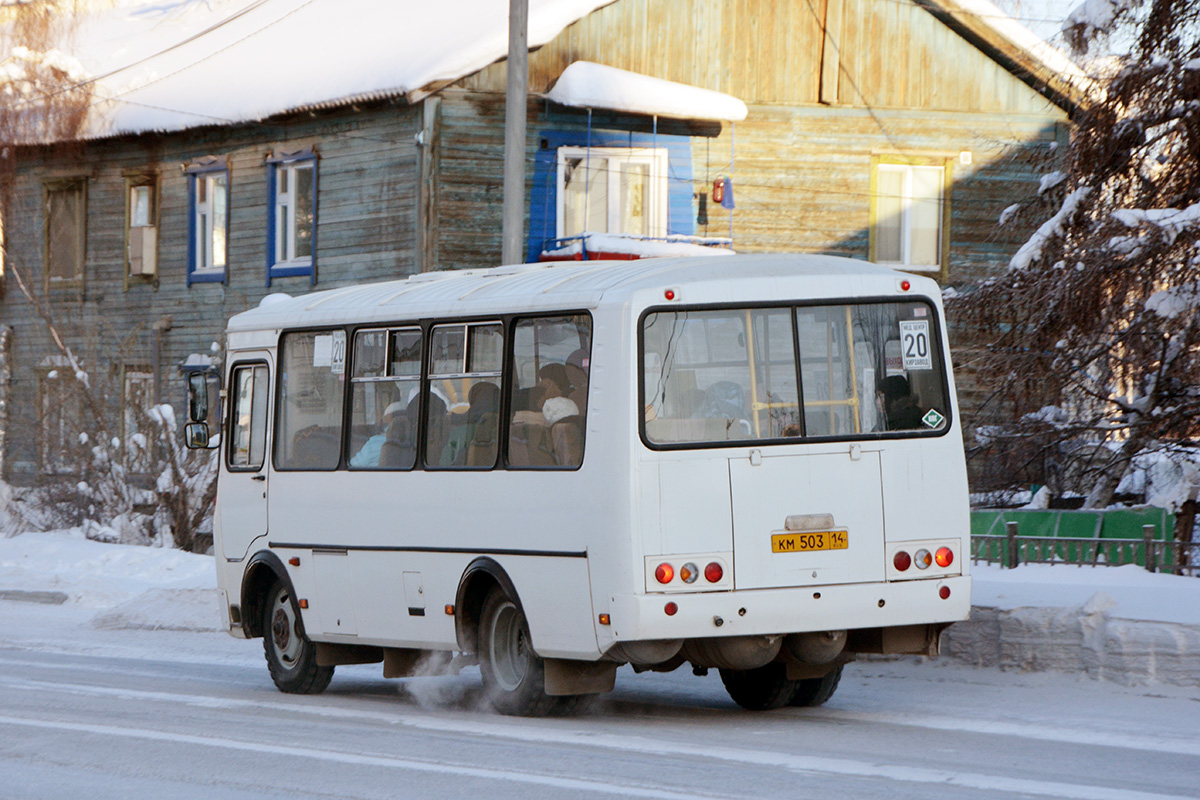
{"x":771,"y":611}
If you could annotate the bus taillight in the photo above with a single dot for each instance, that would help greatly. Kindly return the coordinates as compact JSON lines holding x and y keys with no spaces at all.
{"x":944,"y":557}
{"x":901,"y":561}
{"x":714,"y":572}
{"x":664,"y":573}
{"x":923,"y":558}
{"x":689,"y":572}
{"x":670,"y":609}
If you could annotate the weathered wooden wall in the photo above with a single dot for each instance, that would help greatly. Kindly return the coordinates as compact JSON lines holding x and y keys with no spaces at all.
{"x":889,"y":54}
{"x":368,"y":188}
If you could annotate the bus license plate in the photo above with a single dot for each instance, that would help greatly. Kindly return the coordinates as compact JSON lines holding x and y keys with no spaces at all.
{"x":809,"y":542}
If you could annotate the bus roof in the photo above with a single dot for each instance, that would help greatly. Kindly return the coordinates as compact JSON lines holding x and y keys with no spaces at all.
{"x":579,"y":285}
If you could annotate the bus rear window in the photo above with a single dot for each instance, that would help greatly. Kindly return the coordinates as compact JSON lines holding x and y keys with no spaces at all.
{"x":845,"y":370}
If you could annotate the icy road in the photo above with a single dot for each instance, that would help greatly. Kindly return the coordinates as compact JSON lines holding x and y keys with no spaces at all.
{"x":156,"y":714}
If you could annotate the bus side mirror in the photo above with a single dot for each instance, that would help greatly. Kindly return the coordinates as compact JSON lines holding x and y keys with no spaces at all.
{"x":197,"y":399}
{"x":195,"y":436}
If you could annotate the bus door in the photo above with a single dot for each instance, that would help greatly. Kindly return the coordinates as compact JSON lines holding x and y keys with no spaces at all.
{"x":807,"y":519}
{"x":243,"y":494}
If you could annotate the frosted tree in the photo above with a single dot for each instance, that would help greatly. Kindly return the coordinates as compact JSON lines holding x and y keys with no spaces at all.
{"x":1092,"y":336}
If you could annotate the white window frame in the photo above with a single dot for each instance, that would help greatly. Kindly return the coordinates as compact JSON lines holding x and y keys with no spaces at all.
{"x":905,"y":168}
{"x":204,"y":211}
{"x":284,"y":246}
{"x":658,"y":201}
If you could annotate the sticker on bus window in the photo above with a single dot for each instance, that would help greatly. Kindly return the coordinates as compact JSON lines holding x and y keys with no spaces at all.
{"x":322,"y":351}
{"x":933,"y":418}
{"x":915,"y":347}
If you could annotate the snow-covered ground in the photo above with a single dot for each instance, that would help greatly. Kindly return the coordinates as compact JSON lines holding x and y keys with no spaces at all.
{"x":1118,"y":623}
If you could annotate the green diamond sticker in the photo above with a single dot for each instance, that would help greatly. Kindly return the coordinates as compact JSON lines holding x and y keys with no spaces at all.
{"x":932,"y":418}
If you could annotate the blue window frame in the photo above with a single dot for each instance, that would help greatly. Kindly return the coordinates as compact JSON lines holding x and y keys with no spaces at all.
{"x":292,"y":215}
{"x":563,"y":155}
{"x":208,"y":221}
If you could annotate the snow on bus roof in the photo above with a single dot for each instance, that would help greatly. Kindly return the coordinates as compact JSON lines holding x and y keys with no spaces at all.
{"x":551,"y":285}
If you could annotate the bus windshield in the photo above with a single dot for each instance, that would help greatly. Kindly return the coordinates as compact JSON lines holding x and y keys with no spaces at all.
{"x":769,"y":373}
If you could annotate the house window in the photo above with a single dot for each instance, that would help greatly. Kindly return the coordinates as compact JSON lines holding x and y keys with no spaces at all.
{"x":138,"y":427}
{"x":910,"y":213}
{"x":65,"y":229}
{"x":141,"y":227}
{"x":208,"y":199}
{"x":612,"y":190}
{"x":59,"y":418}
{"x":292,"y":225}
{"x":609,"y":181}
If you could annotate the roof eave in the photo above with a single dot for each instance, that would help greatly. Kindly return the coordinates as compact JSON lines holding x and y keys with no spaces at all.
{"x":1069,"y":92}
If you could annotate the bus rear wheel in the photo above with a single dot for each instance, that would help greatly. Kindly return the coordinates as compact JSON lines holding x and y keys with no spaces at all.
{"x":514,"y":676}
{"x":815,"y":691}
{"x":291,"y":657}
{"x":761,"y":689}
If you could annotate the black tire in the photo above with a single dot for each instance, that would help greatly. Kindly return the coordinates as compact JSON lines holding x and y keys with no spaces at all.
{"x":291,"y":657}
{"x":514,"y":676}
{"x":760,"y":689}
{"x":815,"y":691}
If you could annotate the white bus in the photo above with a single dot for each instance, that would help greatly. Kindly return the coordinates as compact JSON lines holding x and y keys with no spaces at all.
{"x":748,"y":463}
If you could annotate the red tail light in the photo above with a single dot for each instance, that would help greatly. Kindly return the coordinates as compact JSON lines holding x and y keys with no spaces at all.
{"x":901,"y":561}
{"x":944,"y":592}
{"x":944,"y":557}
{"x":664,"y":573}
{"x":670,"y":609}
{"x":714,"y":572}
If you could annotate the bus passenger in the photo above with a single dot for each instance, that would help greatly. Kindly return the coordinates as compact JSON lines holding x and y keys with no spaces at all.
{"x":368,"y":454}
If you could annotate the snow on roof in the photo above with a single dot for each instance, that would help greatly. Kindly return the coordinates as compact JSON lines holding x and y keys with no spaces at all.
{"x":165,"y":65}
{"x":588,"y":85}
{"x":173,"y":64}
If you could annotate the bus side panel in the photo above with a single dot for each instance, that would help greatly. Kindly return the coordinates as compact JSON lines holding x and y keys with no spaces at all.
{"x":405,"y":539}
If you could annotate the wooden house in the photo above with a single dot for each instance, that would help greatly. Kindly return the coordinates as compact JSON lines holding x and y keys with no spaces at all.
{"x":343,"y":141}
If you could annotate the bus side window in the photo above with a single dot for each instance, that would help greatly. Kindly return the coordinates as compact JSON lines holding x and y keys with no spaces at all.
{"x":384,"y":399}
{"x":462,"y":422}
{"x":548,"y":405}
{"x":311,"y":369}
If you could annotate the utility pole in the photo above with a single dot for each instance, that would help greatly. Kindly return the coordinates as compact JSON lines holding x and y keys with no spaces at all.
{"x":514,"y":131}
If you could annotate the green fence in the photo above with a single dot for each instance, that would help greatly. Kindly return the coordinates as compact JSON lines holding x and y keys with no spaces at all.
{"x":1077,"y":537}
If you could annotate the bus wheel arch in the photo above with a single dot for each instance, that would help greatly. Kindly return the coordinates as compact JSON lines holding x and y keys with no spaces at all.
{"x":261,"y":573}
{"x":478,"y":581}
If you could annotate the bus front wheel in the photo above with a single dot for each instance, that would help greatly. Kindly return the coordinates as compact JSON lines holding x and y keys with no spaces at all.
{"x":514,"y":676}
{"x":291,"y":657}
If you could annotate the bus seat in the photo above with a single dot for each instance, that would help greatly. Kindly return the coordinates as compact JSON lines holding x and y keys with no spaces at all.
{"x":482,"y":448}
{"x":315,"y":447}
{"x":529,"y":443}
{"x":399,"y":449}
{"x":567,"y":435}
